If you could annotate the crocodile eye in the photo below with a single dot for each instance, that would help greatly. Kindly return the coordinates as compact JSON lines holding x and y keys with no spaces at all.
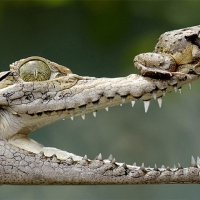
{"x":35,"y":70}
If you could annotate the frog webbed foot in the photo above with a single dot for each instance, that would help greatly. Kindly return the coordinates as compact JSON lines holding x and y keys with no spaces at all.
{"x":191,"y":68}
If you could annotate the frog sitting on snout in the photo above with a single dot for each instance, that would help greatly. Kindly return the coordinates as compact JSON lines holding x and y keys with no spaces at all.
{"x":177,"y":53}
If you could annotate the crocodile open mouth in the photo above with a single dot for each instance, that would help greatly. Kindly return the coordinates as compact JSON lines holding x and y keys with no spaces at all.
{"x":37,"y":92}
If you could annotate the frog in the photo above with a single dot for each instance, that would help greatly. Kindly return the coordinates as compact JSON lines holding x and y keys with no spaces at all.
{"x":176,"y":53}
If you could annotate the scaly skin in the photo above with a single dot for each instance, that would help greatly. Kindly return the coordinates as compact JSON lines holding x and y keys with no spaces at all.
{"x":27,"y":106}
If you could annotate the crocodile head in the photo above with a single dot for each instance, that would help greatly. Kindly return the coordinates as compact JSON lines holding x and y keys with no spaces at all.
{"x":37,"y":92}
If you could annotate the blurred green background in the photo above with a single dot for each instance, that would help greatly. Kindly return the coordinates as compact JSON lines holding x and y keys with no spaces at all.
{"x":101,"y":38}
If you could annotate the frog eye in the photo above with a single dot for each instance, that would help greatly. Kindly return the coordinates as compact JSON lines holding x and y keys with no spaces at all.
{"x":35,"y":70}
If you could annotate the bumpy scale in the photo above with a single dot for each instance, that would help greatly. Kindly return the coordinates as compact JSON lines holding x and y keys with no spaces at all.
{"x":37,"y":92}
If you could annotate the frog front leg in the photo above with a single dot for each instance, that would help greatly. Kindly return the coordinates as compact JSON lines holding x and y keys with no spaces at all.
{"x":156,"y":65}
{"x":191,"y":68}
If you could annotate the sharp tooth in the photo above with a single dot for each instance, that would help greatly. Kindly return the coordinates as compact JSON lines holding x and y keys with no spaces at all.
{"x":175,"y":88}
{"x":120,"y":104}
{"x":159,"y":101}
{"x":198,"y":162}
{"x":106,"y":108}
{"x":71,"y":111}
{"x":113,"y":160}
{"x":95,"y":103}
{"x":134,"y":164}
{"x":146,"y":105}
{"x":175,"y":167}
{"x":85,"y":157}
{"x":83,"y":116}
{"x":179,"y":166}
{"x":48,"y":112}
{"x":168,"y":168}
{"x":110,"y":157}
{"x":82,"y":108}
{"x":124,"y":165}
{"x":94,"y":113}
{"x":163,"y":166}
{"x":155,"y":168}
{"x":164,"y":92}
{"x":142,"y":167}
{"x":99,"y":157}
{"x":190,"y":85}
{"x":63,"y":118}
{"x":154,"y":95}
{"x":179,"y":89}
{"x":132,"y":103}
{"x":72,"y":118}
{"x":59,"y":112}
{"x":123,"y":99}
{"x":110,"y":99}
{"x":193,"y":162}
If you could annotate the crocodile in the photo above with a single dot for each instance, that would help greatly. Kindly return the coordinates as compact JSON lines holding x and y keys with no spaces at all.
{"x":36,"y":92}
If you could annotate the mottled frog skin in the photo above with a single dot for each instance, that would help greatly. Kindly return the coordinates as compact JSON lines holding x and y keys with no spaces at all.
{"x":177,"y":52}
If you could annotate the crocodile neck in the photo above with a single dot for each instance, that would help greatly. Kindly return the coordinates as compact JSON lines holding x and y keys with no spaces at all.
{"x":28,"y":106}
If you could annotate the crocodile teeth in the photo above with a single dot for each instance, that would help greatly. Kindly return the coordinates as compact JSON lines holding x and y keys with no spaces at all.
{"x":99,"y":157}
{"x":106,"y":108}
{"x":190,"y":85}
{"x":48,"y":112}
{"x":174,"y":166}
{"x":198,"y":162}
{"x":179,"y":166}
{"x":71,"y":111}
{"x":110,"y":157}
{"x":85,"y":157}
{"x":164,"y":92}
{"x":155,"y":168}
{"x":120,"y":104}
{"x":59,"y":112}
{"x":159,"y":101}
{"x":193,"y":162}
{"x":134,"y":164}
{"x":95,"y":103}
{"x":124,"y":165}
{"x":146,"y":105}
{"x":123,"y":99}
{"x":142,"y":167}
{"x":163,"y":167}
{"x":113,"y":160}
{"x":179,"y":89}
{"x":132,"y":103}
{"x":72,"y":118}
{"x":110,"y":99}
{"x":175,"y":88}
{"x":154,"y":95}
{"x":83,"y":116}
{"x":94,"y":113}
{"x":82,"y":108}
